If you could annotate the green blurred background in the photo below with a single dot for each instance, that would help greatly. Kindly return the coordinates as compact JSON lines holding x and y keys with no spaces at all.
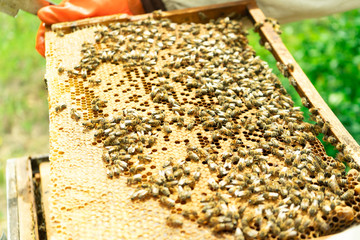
{"x":328,"y":50}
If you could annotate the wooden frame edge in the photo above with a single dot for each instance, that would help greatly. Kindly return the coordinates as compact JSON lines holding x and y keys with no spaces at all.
{"x":12,"y":203}
{"x":22,"y":222}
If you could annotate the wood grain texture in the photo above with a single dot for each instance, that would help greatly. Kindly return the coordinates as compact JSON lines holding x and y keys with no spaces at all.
{"x":12,"y":204}
{"x":304,"y":86}
{"x":26,"y":200}
{"x":45,"y":192}
{"x":22,"y":220}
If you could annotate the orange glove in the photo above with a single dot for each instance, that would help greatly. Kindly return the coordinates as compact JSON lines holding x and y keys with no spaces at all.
{"x":71,"y":10}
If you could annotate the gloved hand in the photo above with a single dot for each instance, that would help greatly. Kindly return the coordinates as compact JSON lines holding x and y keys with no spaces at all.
{"x":71,"y":10}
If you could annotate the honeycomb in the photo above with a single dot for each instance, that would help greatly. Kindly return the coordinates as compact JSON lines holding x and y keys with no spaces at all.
{"x":179,"y":131}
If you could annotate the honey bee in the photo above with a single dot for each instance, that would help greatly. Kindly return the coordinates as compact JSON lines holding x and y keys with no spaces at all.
{"x":290,"y":66}
{"x":310,"y":167}
{"x":109,"y":172}
{"x":140,"y":194}
{"x":314,"y":208}
{"x":197,"y":174}
{"x":75,"y":115}
{"x":144,"y":158}
{"x":227,"y":226}
{"x":174,"y":221}
{"x":167,"y":129}
{"x":238,"y":235}
{"x":295,"y":199}
{"x":257,"y":199}
{"x":151,"y":141}
{"x":349,"y":194}
{"x":271,"y":195}
{"x":306,"y":221}
{"x":326,"y":207}
{"x":134,"y":169}
{"x":186,"y":169}
{"x":215,"y":135}
{"x":226,"y":131}
{"x":178,"y":173}
{"x":332,"y":183}
{"x":305,"y":203}
{"x":95,"y":81}
{"x":340,"y":146}
{"x":269,"y":133}
{"x":288,"y":234}
{"x":193,"y":156}
{"x":61,"y":68}
{"x":314,"y":111}
{"x":189,"y":213}
{"x":134,"y":179}
{"x":212,"y":165}
{"x":322,"y":224}
{"x":213,"y":184}
{"x":60,"y":107}
{"x":89,"y":125}
{"x":278,"y":153}
{"x":117,"y":170}
{"x":293,"y":81}
{"x":257,"y":26}
{"x":288,"y":223}
{"x":168,"y":202}
{"x":184,"y":193}
{"x":154,"y":190}
{"x":326,"y":128}
{"x":190,"y":125}
{"x":332,"y":140}
{"x":251,"y":233}
{"x":164,"y":190}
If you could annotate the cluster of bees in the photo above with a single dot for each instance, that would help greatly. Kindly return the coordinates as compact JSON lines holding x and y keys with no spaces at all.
{"x":276,"y":186}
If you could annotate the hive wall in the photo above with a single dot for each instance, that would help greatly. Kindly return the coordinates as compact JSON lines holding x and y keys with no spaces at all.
{"x":155,"y":74}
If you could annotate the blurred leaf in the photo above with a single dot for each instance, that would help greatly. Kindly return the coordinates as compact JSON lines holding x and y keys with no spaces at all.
{"x":336,"y":98}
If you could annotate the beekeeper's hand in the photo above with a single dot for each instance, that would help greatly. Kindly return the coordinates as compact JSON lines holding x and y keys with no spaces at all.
{"x":71,"y":10}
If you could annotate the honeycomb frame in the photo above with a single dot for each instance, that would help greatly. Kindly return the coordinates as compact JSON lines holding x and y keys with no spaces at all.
{"x":64,"y":130}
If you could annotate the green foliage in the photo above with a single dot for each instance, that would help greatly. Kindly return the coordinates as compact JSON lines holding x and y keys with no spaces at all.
{"x":22,"y":91}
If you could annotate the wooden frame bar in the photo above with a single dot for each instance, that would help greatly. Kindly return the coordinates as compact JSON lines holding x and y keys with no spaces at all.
{"x":22,"y":219}
{"x":12,"y":204}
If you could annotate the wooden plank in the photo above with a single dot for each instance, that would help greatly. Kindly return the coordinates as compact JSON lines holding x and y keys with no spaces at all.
{"x":196,"y":15}
{"x":45,"y":193}
{"x":28,"y":227}
{"x":12,"y":203}
{"x":304,"y":86}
